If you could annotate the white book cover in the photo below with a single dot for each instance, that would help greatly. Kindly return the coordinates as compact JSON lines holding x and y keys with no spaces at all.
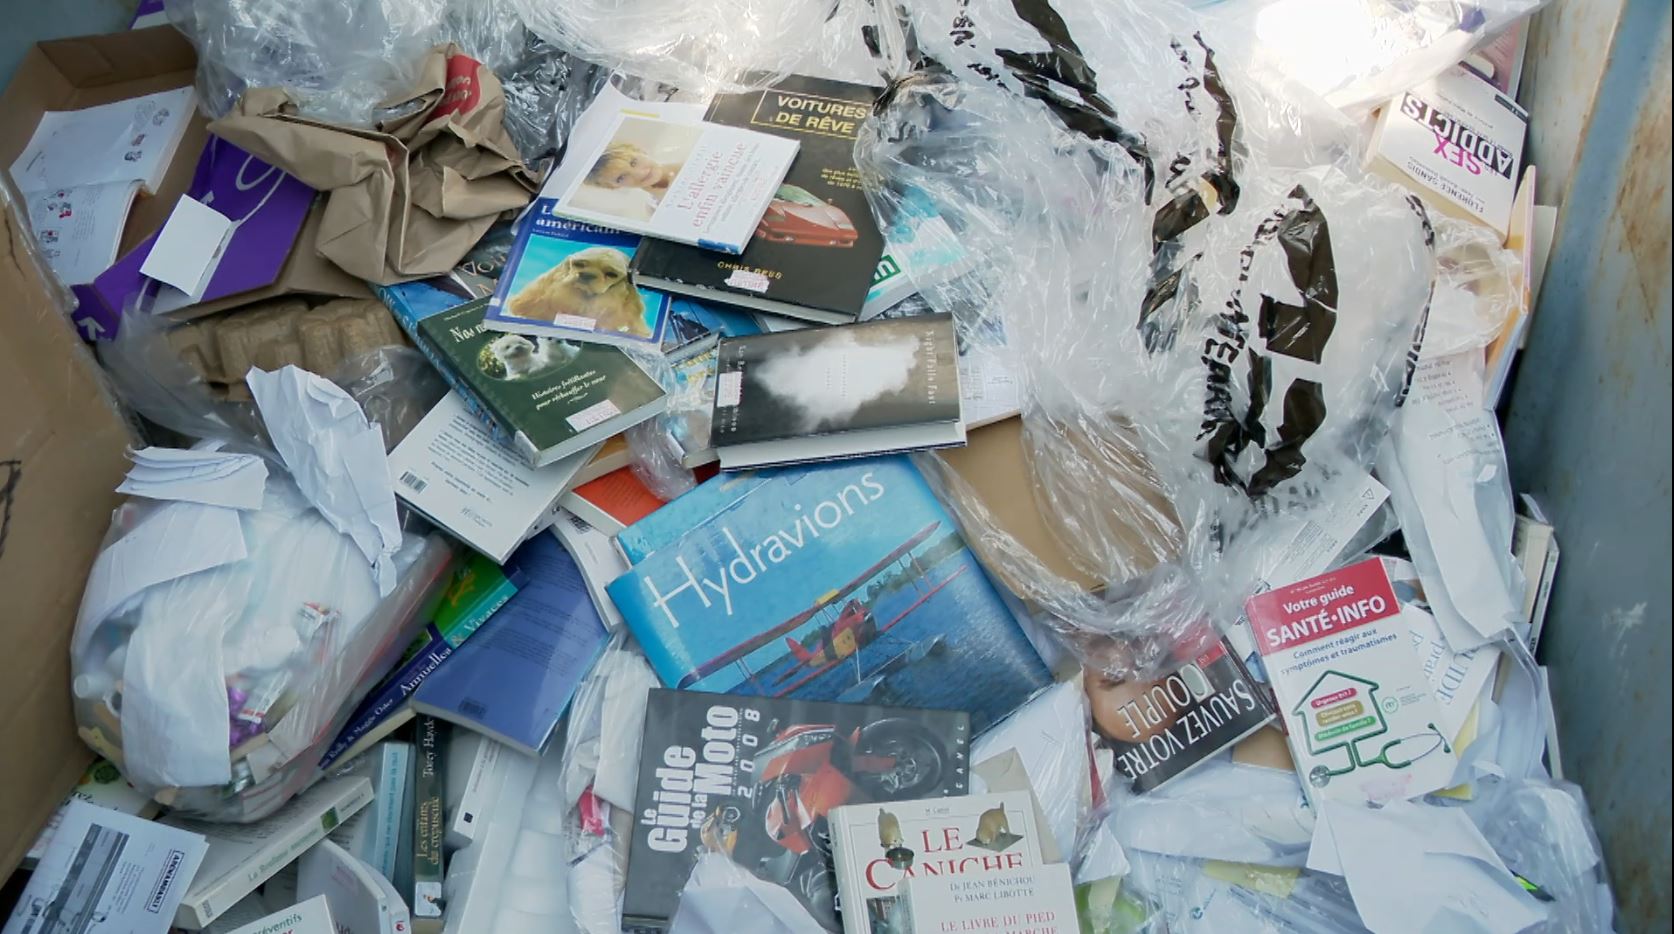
{"x":243,"y":856}
{"x":1040,"y":900}
{"x":1364,"y":723}
{"x":374,"y":834}
{"x":107,"y":873}
{"x":450,"y":469}
{"x":878,"y":848}
{"x":310,"y":917}
{"x":688,"y":181}
{"x":79,"y":227}
{"x":474,"y":767}
{"x":1460,"y":141}
{"x":362,"y":901}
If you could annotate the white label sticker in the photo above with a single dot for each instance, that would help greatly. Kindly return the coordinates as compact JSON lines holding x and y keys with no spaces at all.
{"x":729,"y":389}
{"x":748,"y":280}
{"x":595,"y":414}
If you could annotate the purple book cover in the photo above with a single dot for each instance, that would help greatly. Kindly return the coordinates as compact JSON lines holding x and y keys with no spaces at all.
{"x":267,"y":208}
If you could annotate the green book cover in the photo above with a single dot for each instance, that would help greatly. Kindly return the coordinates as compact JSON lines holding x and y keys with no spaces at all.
{"x":477,"y":590}
{"x":558,"y":397}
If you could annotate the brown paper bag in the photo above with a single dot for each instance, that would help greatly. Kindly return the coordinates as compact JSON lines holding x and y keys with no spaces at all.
{"x":409,"y":198}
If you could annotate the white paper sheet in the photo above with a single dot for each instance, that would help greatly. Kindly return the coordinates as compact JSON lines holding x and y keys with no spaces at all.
{"x":1414,"y":867}
{"x":336,"y":458}
{"x":188,"y":247}
{"x":155,"y":551}
{"x":622,"y":720}
{"x":1456,"y":678}
{"x":1447,"y":453}
{"x":1221,"y":810}
{"x":236,"y":481}
{"x":721,"y":898}
{"x":108,"y":873}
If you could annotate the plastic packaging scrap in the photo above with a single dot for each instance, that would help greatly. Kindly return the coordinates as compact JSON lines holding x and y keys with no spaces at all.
{"x":1357,"y":54}
{"x":218,"y":645}
{"x":1196,"y":276}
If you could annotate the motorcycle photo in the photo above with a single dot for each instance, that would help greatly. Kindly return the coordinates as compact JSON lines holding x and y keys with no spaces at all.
{"x":779,"y":829}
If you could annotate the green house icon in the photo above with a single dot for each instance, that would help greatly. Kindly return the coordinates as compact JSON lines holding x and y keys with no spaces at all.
{"x":1337,"y":712}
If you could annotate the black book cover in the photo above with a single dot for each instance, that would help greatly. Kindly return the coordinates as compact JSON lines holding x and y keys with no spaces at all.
{"x":884,"y":373}
{"x":1201,"y":702}
{"x":756,"y":779}
{"x":815,"y":251}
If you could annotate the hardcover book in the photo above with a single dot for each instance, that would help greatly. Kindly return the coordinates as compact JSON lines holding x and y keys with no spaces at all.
{"x":691,"y":182}
{"x":570,"y":280}
{"x":515,"y":679}
{"x":1156,"y":730}
{"x":824,"y":393}
{"x":879,"y":848}
{"x":757,"y":779}
{"x":845,"y":582}
{"x":554,"y":398}
{"x":816,"y":249}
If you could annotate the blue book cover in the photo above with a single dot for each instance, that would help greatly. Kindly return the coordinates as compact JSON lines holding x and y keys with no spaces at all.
{"x":842,"y":582}
{"x":572,"y":281}
{"x":694,"y":324}
{"x":684,"y":513}
{"x":514,"y":678}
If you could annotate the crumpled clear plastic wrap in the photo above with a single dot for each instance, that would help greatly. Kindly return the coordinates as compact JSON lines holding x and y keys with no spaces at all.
{"x":714,"y":44}
{"x":219,"y":650}
{"x":1213,"y":308}
{"x":1479,"y":287}
{"x":395,"y":386}
{"x":1541,"y":829}
{"x":341,"y":58}
{"x":1358,"y":54}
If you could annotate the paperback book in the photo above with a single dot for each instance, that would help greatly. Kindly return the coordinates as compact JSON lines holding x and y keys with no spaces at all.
{"x":824,"y":393}
{"x":362,"y":901}
{"x":1041,"y":900}
{"x":879,"y":848}
{"x":1362,"y":721}
{"x":1158,"y":729}
{"x":691,"y":182}
{"x":570,"y":280}
{"x":845,"y":582}
{"x":451,"y":470}
{"x":554,"y":398}
{"x":429,"y":825}
{"x":757,"y":779}
{"x":816,"y":248}
{"x":515,"y":679}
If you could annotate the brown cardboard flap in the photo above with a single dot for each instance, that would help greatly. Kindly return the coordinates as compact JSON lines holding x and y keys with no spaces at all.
{"x":121,"y":57}
{"x":62,"y":443}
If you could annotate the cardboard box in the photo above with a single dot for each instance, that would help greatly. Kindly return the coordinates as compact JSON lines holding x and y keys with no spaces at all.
{"x":62,"y":443}
{"x":68,"y":74}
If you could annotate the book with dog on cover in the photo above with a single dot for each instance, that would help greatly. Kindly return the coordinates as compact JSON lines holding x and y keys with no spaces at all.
{"x":879,"y":848}
{"x":569,"y":280}
{"x":816,"y":250}
{"x":757,"y":780}
{"x":555,"y":398}
{"x":817,"y":394}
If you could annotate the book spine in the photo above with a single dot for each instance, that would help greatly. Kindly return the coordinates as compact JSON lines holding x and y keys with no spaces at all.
{"x":429,"y":830}
{"x":387,"y":698}
{"x":500,"y":430}
{"x":391,"y":796}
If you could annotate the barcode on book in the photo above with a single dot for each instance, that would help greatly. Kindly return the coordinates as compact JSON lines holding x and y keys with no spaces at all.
{"x":473,"y":708}
{"x":595,"y":414}
{"x":414,"y":482}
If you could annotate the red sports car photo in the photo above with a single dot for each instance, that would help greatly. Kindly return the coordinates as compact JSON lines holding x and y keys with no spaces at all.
{"x":795,"y":216}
